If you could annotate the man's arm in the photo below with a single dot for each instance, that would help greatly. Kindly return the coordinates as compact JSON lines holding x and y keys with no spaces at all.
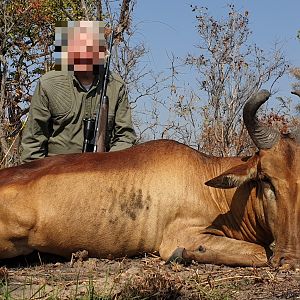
{"x":123,"y":134}
{"x":36,"y":132}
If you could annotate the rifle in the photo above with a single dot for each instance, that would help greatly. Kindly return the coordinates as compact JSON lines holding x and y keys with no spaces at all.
{"x":95,"y":129}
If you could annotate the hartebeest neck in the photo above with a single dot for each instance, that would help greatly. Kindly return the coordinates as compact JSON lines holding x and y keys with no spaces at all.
{"x":246,"y":218}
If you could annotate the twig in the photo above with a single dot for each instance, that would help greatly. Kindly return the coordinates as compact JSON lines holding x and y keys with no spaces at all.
{"x":17,"y":135}
{"x":84,"y":8}
{"x":220,"y":280}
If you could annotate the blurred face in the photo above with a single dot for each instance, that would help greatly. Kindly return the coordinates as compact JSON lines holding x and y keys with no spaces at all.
{"x":80,"y":45}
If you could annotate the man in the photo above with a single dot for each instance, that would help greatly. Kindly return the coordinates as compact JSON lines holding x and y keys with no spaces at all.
{"x":64,"y":97}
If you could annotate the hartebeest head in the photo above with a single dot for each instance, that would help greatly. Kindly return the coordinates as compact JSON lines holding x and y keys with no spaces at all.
{"x":276,"y":169}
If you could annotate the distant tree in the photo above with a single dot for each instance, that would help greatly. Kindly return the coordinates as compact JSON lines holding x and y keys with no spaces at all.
{"x":295,"y":72}
{"x":25,"y":36}
{"x":296,"y":85}
{"x":229,"y":70}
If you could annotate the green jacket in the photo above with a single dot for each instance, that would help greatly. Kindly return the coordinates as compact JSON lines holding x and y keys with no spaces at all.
{"x":58,"y":107}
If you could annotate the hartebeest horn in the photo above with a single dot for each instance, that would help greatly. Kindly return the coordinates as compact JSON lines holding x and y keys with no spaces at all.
{"x":263,"y":137}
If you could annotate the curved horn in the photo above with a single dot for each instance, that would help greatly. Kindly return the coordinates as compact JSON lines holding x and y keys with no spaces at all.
{"x":262,"y":136}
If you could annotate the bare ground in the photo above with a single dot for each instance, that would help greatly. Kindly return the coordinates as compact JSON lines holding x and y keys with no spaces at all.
{"x":147,"y":277}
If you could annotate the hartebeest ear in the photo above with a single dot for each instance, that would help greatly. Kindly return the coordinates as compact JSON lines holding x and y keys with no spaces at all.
{"x":236,"y":176}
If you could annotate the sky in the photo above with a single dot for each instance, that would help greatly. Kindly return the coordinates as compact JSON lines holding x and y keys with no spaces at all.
{"x":169,"y":27}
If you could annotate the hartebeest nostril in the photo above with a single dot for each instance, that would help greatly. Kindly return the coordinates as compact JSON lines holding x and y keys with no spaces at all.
{"x":201,"y":249}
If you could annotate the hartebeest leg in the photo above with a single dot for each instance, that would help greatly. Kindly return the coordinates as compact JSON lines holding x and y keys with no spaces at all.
{"x":215,"y":250}
{"x":219,"y":258}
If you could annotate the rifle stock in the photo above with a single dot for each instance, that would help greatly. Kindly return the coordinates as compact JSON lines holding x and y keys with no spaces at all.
{"x":100,"y":143}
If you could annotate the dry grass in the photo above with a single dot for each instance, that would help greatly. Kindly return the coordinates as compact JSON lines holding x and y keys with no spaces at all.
{"x":144,"y":278}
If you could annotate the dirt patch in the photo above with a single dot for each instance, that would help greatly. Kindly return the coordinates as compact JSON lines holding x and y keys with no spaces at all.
{"x":141,"y":278}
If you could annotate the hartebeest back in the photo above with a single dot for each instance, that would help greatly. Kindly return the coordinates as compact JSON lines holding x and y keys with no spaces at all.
{"x":153,"y":197}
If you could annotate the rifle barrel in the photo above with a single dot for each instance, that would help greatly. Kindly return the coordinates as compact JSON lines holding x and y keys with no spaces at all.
{"x":102,"y":114}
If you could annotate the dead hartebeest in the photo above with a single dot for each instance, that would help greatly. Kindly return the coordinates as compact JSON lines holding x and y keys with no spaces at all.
{"x":153,"y":197}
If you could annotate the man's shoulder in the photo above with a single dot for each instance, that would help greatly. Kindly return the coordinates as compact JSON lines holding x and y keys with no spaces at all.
{"x":115,"y":77}
{"x":55,"y":78}
{"x":55,"y":74}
